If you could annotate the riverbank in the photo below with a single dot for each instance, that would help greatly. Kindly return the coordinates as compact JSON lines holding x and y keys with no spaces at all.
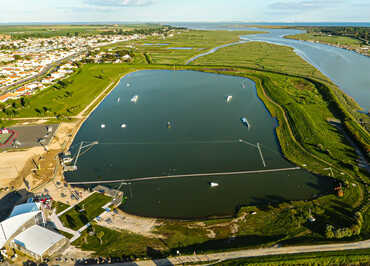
{"x":342,"y":42}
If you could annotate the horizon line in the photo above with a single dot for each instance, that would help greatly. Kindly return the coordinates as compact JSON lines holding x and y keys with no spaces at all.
{"x":161,"y":22}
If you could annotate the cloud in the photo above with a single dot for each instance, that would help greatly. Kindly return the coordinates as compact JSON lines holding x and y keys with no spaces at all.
{"x":303,"y":5}
{"x":119,"y":3}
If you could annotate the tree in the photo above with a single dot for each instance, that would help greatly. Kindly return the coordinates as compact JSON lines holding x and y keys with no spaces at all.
{"x":100,"y":235}
{"x":24,"y":101}
{"x":329,"y":231}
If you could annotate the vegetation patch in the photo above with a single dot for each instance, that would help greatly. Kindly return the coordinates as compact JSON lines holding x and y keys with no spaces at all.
{"x":59,"y":206}
{"x":112,"y":243}
{"x":85,"y":211}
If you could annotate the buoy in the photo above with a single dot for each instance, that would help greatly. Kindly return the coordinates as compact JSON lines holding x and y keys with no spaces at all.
{"x":102,"y":126}
{"x":118,"y":99}
{"x":123,"y":126}
{"x":128,"y":85}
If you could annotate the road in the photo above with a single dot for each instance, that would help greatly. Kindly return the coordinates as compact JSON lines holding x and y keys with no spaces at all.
{"x":248,"y":253}
{"x":43,"y":72}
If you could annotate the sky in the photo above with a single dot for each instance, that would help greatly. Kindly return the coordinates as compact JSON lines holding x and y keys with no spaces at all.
{"x":184,"y":10}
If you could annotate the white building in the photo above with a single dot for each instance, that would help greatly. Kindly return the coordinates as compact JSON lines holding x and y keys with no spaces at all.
{"x":39,"y":242}
{"x":22,"y":230}
{"x":22,"y":216}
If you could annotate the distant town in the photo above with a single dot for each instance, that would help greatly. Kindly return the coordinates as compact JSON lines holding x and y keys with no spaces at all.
{"x":31,"y":64}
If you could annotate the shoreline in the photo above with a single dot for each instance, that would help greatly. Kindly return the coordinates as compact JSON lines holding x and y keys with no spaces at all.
{"x":290,"y":37}
{"x":83,"y":117}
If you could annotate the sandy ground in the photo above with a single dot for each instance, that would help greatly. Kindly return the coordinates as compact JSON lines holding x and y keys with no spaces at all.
{"x":17,"y":165}
{"x":57,"y":188}
{"x":74,"y":253}
{"x":132,"y":223}
{"x":12,"y":163}
{"x":63,"y":135}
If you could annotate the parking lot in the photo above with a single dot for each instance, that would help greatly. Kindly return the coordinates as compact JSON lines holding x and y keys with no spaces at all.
{"x":32,"y":136}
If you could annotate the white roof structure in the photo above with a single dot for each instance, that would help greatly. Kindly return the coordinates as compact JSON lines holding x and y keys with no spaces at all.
{"x":37,"y":239}
{"x":12,"y":224}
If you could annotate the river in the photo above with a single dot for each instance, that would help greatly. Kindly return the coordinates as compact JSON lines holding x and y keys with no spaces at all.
{"x":347,"y":69}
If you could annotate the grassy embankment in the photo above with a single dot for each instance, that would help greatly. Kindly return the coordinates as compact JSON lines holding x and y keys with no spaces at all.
{"x":85,"y":211}
{"x":342,"y":41}
{"x":347,"y":257}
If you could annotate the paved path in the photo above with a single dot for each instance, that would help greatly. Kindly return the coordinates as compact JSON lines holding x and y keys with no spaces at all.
{"x":58,"y":224}
{"x":186,"y":175}
{"x":75,"y":234}
{"x":249,"y":253}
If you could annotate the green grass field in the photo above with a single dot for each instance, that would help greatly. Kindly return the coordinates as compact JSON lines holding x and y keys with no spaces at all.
{"x":85,"y":211}
{"x":261,"y":56}
{"x":60,"y":206}
{"x":71,"y":96}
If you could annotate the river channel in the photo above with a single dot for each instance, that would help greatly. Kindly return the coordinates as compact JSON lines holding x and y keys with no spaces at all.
{"x":347,"y":69}
{"x":182,"y":123}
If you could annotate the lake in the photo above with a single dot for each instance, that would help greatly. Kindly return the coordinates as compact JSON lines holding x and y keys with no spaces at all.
{"x":203,"y":137}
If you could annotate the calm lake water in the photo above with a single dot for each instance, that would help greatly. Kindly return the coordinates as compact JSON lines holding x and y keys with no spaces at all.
{"x":203,"y":138}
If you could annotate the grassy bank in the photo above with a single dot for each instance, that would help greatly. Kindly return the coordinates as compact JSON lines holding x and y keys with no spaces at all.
{"x":85,"y":211}
{"x":262,"y":56}
{"x":340,"y":41}
{"x":111,"y":243}
{"x":348,"y":257}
